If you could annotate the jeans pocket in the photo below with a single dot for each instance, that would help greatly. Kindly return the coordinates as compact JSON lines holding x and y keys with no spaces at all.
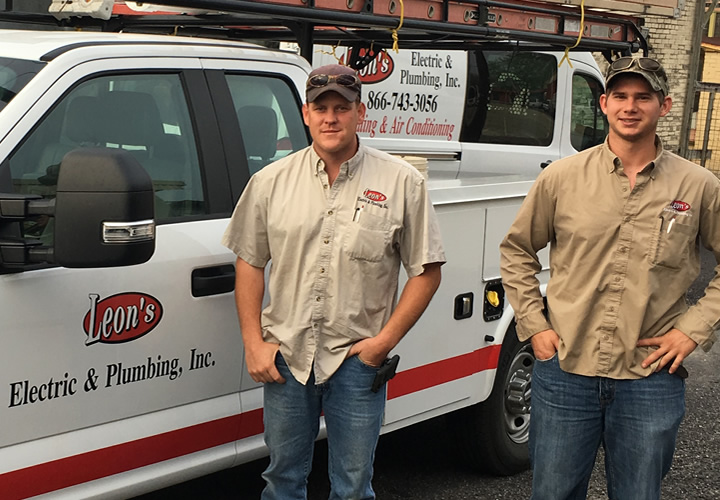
{"x":363,"y":363}
{"x":548,"y":360}
{"x":279,"y":359}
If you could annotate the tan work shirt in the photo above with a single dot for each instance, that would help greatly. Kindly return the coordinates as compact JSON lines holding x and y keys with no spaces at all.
{"x":335,"y":250}
{"x":621,"y":259}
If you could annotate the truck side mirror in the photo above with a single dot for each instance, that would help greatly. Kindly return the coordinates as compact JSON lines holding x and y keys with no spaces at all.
{"x":103,"y":215}
{"x":104,"y":210}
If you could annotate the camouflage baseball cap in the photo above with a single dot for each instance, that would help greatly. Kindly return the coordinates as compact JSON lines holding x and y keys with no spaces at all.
{"x":648,"y":68}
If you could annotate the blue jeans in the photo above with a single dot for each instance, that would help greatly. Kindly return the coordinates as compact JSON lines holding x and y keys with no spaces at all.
{"x":353,"y":417}
{"x":636,"y":421}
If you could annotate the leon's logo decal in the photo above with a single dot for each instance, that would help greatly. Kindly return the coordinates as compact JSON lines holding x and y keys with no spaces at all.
{"x":121,"y":318}
{"x":374,"y":195}
{"x":680,"y":206}
{"x":379,"y":68}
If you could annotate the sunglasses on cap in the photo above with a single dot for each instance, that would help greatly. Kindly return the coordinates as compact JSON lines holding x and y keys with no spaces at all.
{"x":644,"y":63}
{"x":345,"y":80}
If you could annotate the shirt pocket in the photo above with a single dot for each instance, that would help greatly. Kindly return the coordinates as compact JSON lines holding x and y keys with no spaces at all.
{"x":673,"y":238}
{"x":368,"y":238}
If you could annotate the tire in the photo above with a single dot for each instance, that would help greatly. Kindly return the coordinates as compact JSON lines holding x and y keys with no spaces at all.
{"x":493,"y":435}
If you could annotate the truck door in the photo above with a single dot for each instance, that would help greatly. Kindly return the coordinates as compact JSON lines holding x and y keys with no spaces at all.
{"x":144,"y":360}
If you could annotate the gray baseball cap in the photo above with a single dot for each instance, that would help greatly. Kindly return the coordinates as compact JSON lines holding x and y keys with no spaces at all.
{"x":335,"y":78}
{"x":648,"y":68}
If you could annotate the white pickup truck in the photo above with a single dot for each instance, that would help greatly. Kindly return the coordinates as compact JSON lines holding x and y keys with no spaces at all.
{"x":121,"y":159}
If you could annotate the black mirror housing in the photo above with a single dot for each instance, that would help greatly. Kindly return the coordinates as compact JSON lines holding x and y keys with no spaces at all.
{"x":104,"y":210}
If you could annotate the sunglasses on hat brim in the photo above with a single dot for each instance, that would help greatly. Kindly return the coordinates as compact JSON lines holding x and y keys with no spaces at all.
{"x":344,"y":80}
{"x":644,"y":63}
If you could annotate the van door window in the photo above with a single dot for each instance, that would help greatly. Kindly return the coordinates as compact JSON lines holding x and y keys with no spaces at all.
{"x":146,"y":115}
{"x":588,"y":124}
{"x":270,"y":122}
{"x":510,"y":98}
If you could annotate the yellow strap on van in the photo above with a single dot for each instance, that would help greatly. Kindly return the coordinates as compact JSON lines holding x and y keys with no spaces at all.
{"x":580,"y":34}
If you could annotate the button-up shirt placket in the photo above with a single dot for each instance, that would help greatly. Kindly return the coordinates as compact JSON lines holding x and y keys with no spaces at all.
{"x":613,"y":299}
{"x":327,"y":234}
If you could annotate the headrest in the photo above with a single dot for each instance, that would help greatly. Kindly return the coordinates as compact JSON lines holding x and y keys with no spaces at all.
{"x":132,"y":118}
{"x":259,"y":127}
{"x":82,"y":120}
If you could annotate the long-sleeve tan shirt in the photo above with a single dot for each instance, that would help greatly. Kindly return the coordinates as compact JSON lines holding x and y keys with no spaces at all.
{"x":621,"y":259}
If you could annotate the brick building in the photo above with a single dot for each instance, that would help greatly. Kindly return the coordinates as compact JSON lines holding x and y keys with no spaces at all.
{"x":675,"y":42}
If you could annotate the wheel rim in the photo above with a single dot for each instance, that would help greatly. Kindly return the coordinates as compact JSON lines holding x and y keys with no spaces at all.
{"x":517,"y":395}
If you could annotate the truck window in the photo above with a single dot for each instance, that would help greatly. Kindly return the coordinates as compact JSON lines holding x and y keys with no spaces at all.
{"x":14,"y":74}
{"x":270,"y":122}
{"x":510,"y":98}
{"x":588,"y":124}
{"x":146,"y":115}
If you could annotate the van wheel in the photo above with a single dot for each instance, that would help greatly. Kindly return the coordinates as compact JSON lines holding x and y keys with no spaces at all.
{"x":493,"y":435}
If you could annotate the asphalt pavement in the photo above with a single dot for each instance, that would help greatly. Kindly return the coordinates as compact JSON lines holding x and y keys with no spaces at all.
{"x":421,"y":462}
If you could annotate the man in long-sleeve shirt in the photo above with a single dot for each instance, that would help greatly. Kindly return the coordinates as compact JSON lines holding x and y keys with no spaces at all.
{"x":623,"y":221}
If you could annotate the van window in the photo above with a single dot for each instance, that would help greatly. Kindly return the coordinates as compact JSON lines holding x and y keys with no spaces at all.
{"x":510,"y":98}
{"x":146,"y":115}
{"x":588,"y":124}
{"x":267,"y":112}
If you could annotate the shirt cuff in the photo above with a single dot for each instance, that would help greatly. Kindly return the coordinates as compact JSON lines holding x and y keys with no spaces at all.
{"x":530,"y":325}
{"x":694,"y":326}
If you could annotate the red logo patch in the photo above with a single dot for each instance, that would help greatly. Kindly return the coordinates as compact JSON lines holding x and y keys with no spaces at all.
{"x":374,"y":195}
{"x":379,"y":69}
{"x":680,"y":206}
{"x":121,"y":318}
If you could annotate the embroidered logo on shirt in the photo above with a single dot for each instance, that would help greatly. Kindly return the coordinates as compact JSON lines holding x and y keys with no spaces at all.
{"x":374,"y":195}
{"x":679,"y":207}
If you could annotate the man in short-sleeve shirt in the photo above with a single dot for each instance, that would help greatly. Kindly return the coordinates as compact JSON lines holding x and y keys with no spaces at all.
{"x":336,"y":219}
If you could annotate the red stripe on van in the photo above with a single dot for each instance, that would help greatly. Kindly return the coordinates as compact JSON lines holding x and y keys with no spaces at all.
{"x":97,"y":464}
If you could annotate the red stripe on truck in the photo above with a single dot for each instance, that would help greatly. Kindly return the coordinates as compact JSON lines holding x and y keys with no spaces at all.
{"x":97,"y":464}
{"x":105,"y":462}
{"x":441,"y":372}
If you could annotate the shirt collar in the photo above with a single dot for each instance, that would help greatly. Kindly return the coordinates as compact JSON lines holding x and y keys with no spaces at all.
{"x":614,"y":162}
{"x":350,"y":166}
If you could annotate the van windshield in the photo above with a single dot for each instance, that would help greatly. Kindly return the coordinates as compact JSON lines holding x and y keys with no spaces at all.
{"x":14,"y":75}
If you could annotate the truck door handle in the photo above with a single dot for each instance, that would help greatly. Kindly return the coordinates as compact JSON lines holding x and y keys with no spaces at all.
{"x":545,"y":163}
{"x":213,"y":280}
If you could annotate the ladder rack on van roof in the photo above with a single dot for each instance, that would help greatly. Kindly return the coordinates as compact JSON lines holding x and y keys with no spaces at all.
{"x":548,"y":25}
